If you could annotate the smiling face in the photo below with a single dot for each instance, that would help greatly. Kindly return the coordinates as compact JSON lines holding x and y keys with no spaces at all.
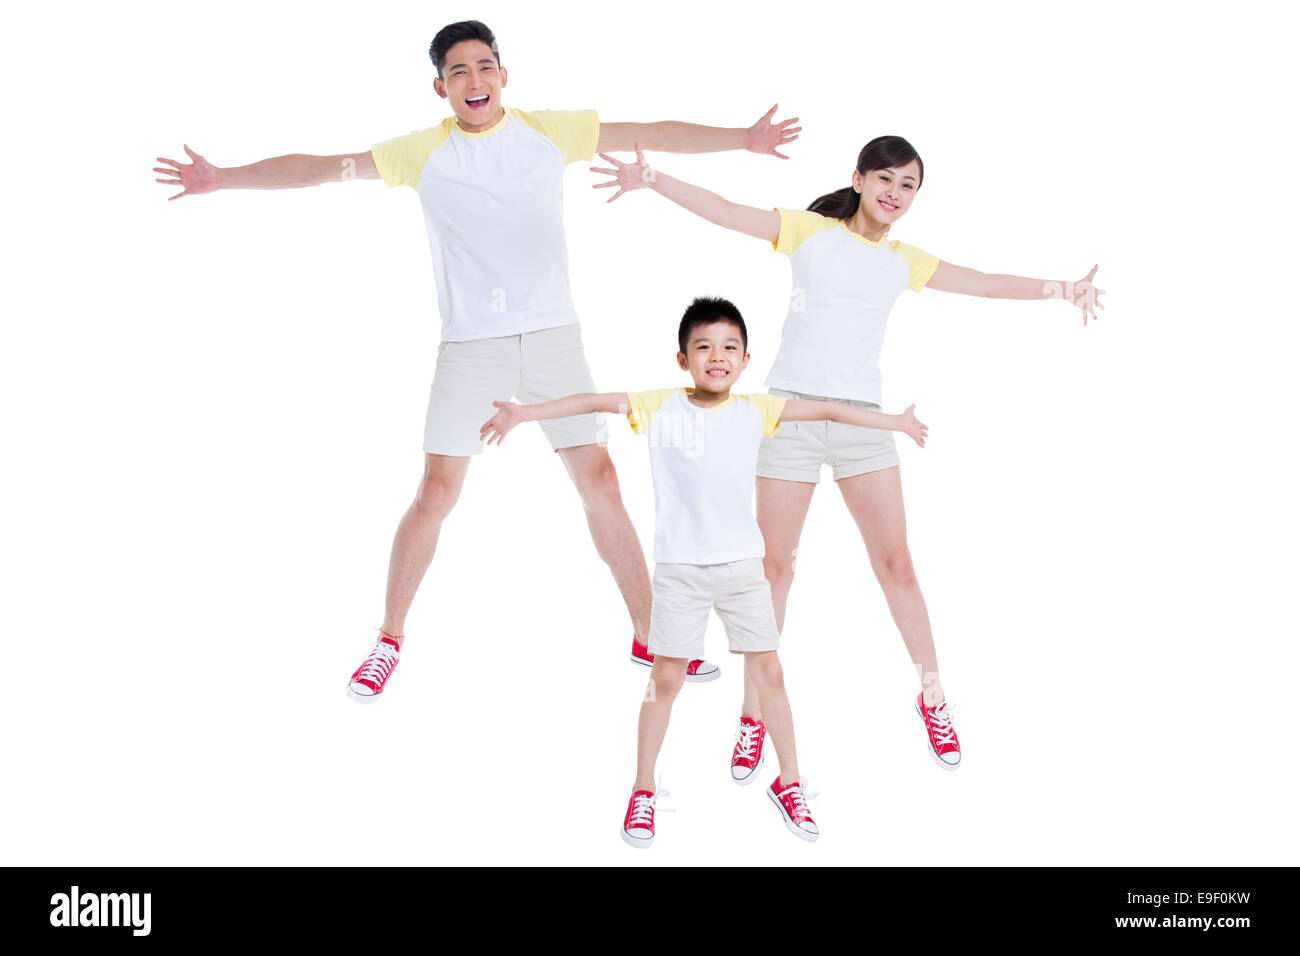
{"x":715,"y":356}
{"x":886,"y":193}
{"x":471,"y":81}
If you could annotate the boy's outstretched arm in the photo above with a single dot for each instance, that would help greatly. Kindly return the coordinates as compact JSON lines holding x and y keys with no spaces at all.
{"x":808,"y":410}
{"x":279,"y":172}
{"x":752,"y":221}
{"x":1082,"y":294}
{"x":672,"y":137}
{"x":510,"y":414}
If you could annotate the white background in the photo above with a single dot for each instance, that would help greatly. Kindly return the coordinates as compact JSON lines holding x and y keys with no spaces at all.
{"x":213,"y":411}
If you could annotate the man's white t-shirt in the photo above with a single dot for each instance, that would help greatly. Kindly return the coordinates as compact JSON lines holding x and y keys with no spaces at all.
{"x":843,"y":288}
{"x":704,"y":462}
{"x":494,"y":208}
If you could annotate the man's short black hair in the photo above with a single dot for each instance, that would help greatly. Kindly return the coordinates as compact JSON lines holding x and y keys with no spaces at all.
{"x":454,"y":33}
{"x":706,"y":311}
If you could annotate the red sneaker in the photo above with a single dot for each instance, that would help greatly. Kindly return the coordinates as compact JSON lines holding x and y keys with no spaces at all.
{"x":698,"y":671}
{"x":747,"y":755}
{"x":368,"y":680}
{"x":793,"y":804}
{"x":939,"y":733}
{"x":639,"y":821}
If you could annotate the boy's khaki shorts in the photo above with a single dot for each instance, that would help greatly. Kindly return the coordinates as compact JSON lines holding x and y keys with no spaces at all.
{"x":530,"y":368}
{"x":799,"y":449}
{"x":684,"y":594}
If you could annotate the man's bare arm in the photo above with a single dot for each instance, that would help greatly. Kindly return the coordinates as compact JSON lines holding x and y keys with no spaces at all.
{"x":280,"y":172}
{"x":673,"y":137}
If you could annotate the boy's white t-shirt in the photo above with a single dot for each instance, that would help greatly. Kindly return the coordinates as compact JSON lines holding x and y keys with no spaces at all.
{"x":704,"y":462}
{"x":494,"y":208}
{"x":843,"y":288}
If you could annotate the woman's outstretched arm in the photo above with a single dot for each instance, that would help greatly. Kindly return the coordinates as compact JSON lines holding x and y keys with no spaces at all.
{"x":760,"y":223}
{"x":1082,"y":294}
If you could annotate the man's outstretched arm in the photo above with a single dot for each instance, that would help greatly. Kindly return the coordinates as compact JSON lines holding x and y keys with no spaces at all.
{"x":672,"y":137}
{"x":280,"y":172}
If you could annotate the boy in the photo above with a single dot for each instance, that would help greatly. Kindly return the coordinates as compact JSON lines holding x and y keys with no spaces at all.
{"x":708,"y":548}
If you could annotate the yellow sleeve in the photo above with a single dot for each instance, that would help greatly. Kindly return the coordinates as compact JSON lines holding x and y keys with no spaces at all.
{"x":643,"y":405}
{"x":770,"y":407}
{"x":574,"y":132}
{"x":400,"y":160}
{"x":920,"y":265}
{"x":797,"y":225}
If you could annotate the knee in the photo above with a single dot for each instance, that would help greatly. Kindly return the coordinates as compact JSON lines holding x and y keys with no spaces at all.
{"x":894,"y":569}
{"x":436,"y":497}
{"x":779,"y":570}
{"x":666,"y":680}
{"x":765,"y":669}
{"x":598,"y":486}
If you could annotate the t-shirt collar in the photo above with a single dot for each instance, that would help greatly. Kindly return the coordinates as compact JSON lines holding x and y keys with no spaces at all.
{"x":863,"y":239}
{"x":731,"y":397}
{"x":455,"y":124}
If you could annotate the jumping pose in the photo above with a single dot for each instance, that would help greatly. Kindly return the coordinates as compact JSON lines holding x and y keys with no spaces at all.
{"x":489,"y":180}
{"x":708,"y":549}
{"x":847,"y":274}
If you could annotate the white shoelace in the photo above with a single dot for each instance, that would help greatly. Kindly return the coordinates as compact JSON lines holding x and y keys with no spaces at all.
{"x":643,"y":807}
{"x":800,"y":797}
{"x":642,"y":810}
{"x":942,"y":728}
{"x":660,"y":791}
{"x":379,"y":664}
{"x":746,"y":743}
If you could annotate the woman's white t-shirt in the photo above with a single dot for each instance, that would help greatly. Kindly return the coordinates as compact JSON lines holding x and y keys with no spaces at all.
{"x":843,"y":288}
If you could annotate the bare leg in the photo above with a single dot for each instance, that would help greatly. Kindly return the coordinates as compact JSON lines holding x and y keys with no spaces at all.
{"x":876,"y":502}
{"x":765,"y":669}
{"x":616,"y":542}
{"x":782,"y":509}
{"x":666,"y":679}
{"x":417,"y":535}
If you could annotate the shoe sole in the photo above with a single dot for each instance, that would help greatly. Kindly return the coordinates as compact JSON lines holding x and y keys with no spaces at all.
{"x":930,"y":747}
{"x":362,"y":698}
{"x":789,"y":824}
{"x":692,"y":678}
{"x":746,"y":781}
{"x":634,"y":842}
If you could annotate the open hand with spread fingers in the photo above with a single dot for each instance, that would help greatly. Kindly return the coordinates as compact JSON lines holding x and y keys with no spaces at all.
{"x":627,"y":176}
{"x":194,"y":178}
{"x":765,"y":136}
{"x":913,"y":426}
{"x":508,"y":415}
{"x":1085,"y":297}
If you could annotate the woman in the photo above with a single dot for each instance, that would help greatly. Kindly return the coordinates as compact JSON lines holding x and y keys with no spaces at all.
{"x":847,"y":274}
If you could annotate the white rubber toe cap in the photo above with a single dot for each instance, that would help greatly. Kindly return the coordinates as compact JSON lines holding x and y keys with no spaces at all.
{"x":707,"y":671}
{"x":361,"y":693}
{"x":638,"y":837}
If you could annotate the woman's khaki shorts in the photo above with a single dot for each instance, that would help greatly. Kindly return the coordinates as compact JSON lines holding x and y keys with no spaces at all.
{"x":799,"y":449}
{"x":684,"y":595}
{"x":532,"y":367}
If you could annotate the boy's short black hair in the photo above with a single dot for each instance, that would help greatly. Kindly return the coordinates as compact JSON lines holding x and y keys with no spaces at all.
{"x":706,"y":311}
{"x":454,"y":33}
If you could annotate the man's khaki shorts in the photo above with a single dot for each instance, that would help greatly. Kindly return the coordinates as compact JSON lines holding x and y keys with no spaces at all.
{"x":799,"y":449}
{"x":530,"y":368}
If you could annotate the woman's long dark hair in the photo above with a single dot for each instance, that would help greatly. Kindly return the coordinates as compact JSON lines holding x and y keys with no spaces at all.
{"x":882,"y":152}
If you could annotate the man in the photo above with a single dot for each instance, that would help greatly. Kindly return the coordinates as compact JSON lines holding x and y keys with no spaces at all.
{"x":490,"y":183}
